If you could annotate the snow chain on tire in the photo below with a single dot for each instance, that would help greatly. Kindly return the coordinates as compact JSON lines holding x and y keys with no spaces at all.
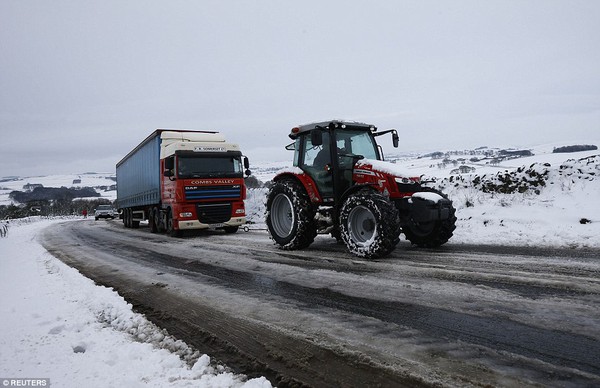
{"x":290,"y":215}
{"x":369,"y":224}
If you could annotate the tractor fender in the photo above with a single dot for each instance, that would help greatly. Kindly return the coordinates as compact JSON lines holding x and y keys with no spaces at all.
{"x":357,"y":188}
{"x":305,"y":180}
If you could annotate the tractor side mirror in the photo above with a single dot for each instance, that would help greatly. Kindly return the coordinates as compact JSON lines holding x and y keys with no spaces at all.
{"x":316,"y":137}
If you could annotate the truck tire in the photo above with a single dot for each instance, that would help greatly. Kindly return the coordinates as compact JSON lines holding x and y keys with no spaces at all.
{"x":431,"y":234}
{"x":369,"y":224}
{"x":171,"y":231}
{"x":290,"y":216}
{"x":153,"y":220}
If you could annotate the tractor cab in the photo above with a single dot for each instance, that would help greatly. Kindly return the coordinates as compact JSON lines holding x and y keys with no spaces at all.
{"x":328,"y":152}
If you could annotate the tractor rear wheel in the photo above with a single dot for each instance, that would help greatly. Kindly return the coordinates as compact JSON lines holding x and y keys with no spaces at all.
{"x":290,"y":215}
{"x":369,"y":224}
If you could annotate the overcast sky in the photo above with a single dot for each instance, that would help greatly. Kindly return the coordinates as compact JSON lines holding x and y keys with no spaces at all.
{"x":83,"y":82}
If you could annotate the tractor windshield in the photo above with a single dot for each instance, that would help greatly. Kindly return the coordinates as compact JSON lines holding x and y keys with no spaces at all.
{"x":356,"y":143}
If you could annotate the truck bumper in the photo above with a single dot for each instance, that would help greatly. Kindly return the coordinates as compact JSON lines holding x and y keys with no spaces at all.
{"x":195,"y":224}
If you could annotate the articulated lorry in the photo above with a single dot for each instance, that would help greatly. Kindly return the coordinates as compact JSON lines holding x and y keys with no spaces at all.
{"x":181,"y":180}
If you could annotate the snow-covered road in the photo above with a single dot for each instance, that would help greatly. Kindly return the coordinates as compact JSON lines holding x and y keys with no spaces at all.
{"x":460,"y":315}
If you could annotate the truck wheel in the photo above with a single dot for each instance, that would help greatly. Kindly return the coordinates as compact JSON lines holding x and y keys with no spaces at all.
{"x":160,"y":220}
{"x":290,"y":215}
{"x":430,"y":234}
{"x":152,"y":220}
{"x":171,"y":231}
{"x":369,"y":224}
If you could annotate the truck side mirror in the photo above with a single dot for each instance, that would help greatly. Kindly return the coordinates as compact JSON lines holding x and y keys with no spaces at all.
{"x":395,"y":139}
{"x":169,"y":166}
{"x":246,"y":163}
{"x":316,"y":137}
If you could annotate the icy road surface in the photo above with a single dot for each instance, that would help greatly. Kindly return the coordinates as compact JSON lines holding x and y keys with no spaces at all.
{"x":456,"y":316}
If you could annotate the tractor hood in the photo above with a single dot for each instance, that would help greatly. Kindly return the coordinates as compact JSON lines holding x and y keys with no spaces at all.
{"x":384,"y":168}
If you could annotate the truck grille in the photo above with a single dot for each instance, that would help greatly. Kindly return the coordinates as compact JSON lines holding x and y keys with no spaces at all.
{"x":213,"y":192}
{"x":214,"y":213}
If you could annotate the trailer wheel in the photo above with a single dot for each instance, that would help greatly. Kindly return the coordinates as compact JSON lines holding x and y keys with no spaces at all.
{"x":127,"y":217}
{"x":171,"y":231}
{"x":369,"y":224}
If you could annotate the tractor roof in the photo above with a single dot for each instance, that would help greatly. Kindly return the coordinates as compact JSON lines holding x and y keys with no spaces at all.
{"x":333,"y":124}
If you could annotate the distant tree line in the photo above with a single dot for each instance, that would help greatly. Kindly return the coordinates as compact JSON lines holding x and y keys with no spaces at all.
{"x":575,"y":148}
{"x":51,"y":208}
{"x":519,"y":153}
{"x":52,"y":194}
{"x":51,"y":201}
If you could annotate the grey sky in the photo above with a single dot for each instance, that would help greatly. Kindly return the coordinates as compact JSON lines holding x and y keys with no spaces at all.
{"x":82,"y":82}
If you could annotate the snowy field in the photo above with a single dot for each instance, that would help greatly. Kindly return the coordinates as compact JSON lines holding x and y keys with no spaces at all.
{"x":57,"y":324}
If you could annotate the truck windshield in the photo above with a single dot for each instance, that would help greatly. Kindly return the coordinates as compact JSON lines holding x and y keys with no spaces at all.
{"x":209,"y":167}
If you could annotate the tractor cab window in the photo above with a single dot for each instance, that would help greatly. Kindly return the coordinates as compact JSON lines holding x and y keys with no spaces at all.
{"x":315,"y":161}
{"x":296,"y":147}
{"x":356,"y":143}
{"x":316,"y":156}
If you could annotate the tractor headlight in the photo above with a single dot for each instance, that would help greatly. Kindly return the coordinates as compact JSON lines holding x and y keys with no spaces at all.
{"x":405,"y":181}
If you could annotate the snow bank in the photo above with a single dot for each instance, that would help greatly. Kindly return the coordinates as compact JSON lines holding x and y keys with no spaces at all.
{"x":535,"y":205}
{"x":57,"y":324}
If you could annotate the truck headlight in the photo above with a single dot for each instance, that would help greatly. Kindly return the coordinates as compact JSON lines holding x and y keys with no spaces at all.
{"x":185,"y":215}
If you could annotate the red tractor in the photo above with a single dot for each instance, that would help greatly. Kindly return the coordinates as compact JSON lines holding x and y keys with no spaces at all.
{"x":340,"y":185}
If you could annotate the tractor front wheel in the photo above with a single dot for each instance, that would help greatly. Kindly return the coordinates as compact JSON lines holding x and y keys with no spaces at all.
{"x":290,"y":216}
{"x":369,"y":224}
